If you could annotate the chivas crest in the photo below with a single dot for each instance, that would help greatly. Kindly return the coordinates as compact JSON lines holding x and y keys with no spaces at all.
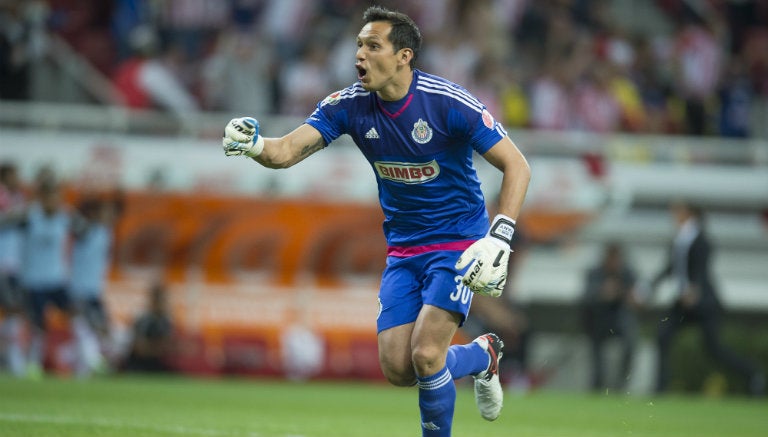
{"x":421,"y":132}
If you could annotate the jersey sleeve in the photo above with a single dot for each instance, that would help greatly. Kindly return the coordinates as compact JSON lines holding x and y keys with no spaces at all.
{"x":329,"y":118}
{"x":487,"y":132}
{"x":477,"y":124}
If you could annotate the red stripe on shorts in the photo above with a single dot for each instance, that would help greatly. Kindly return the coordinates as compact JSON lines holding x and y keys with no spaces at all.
{"x":406,"y":251}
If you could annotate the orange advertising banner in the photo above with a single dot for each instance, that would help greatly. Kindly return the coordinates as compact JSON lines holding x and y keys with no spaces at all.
{"x":244,"y":275}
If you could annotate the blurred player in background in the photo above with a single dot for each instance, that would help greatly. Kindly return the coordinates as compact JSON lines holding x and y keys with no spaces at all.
{"x":151,"y":334}
{"x":46,"y":227}
{"x":609,"y":305}
{"x":419,"y":132}
{"x":12,"y":198}
{"x":697,"y":301}
{"x":91,"y":255}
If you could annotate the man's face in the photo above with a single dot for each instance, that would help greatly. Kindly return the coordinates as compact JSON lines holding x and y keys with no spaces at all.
{"x":377,"y":61}
{"x":680,"y":214}
{"x":50,"y":200}
{"x":12,"y":180}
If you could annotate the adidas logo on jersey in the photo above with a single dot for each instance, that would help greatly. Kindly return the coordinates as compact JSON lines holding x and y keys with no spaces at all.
{"x":372,"y":134}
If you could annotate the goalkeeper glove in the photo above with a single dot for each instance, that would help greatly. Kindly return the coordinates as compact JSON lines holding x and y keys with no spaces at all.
{"x":241,"y":137}
{"x":488,"y":258}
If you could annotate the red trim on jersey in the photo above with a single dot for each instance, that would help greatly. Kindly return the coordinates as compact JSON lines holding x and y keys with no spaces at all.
{"x":399,"y":111}
{"x":406,"y":251}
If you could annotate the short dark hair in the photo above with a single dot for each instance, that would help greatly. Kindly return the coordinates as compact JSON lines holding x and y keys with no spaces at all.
{"x":404,"y":34}
{"x":693,"y":210}
{"x":6,"y":168}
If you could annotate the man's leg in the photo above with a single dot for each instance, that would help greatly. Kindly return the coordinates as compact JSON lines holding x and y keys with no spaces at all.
{"x":415,"y":353}
{"x":395,"y":355}
{"x":628,"y":330}
{"x":467,"y":359}
{"x":430,"y":340}
{"x":596,"y":347}
{"x":10,"y":337}
{"x":710,"y":327}
{"x":37,"y":302}
{"x":489,"y":396}
{"x":668,"y":328}
{"x":12,"y":323}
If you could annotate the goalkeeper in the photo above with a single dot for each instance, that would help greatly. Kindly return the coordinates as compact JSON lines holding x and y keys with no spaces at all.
{"x":419,"y":132}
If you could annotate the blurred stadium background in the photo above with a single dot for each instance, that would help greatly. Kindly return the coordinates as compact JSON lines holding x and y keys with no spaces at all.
{"x":621,"y":107}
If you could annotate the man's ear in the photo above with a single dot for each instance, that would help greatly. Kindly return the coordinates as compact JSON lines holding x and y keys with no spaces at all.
{"x":404,"y":56}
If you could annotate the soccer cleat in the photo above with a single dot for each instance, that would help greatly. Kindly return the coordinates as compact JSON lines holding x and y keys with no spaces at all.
{"x":489,"y":396}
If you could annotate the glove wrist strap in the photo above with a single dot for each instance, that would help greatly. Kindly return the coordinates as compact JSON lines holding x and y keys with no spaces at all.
{"x":502,"y":228}
{"x":257,"y":148}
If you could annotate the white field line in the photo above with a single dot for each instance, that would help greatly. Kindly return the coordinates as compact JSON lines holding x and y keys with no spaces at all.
{"x":116,"y":424}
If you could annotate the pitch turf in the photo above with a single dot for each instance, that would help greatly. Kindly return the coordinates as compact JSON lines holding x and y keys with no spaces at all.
{"x":172,"y":406}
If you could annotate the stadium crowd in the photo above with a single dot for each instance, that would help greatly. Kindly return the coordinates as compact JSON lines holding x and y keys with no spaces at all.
{"x":698,"y":68}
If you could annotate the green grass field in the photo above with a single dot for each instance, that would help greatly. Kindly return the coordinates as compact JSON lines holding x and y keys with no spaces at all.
{"x":174,"y":406}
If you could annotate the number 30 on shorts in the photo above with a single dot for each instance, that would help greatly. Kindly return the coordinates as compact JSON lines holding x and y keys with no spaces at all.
{"x":462,"y":292}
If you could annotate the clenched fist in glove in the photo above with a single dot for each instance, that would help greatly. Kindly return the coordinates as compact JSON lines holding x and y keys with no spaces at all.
{"x":487,"y":259}
{"x":241,"y":137}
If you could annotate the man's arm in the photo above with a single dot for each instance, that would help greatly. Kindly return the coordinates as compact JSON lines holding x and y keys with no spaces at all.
{"x":663,"y":273}
{"x":505,"y":156}
{"x":290,"y":149}
{"x":486,"y":260}
{"x":241,"y":137}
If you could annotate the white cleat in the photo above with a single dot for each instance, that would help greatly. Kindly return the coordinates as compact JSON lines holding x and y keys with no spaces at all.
{"x":489,"y":396}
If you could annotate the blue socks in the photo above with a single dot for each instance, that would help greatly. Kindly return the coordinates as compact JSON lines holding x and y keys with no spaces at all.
{"x":437,"y":396}
{"x":437,"y":393}
{"x":466,"y":359}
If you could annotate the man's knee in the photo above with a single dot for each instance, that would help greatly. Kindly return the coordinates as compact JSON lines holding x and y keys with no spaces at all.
{"x":399,"y":376}
{"x":427,"y":359}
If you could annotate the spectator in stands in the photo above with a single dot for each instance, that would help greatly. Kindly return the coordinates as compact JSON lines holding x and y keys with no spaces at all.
{"x":689,"y":49}
{"x":454,"y":56}
{"x":696,"y":300}
{"x":698,"y":63}
{"x":12,"y":198}
{"x":550,"y":98}
{"x":240,"y":64}
{"x":21,"y":45}
{"x":190,"y":25}
{"x":126,"y":15}
{"x":303,"y":80}
{"x":736,"y":101}
{"x":152,"y":335}
{"x":609,"y":306}
{"x":595,"y":105}
{"x":655,"y":93}
{"x":146,"y":81}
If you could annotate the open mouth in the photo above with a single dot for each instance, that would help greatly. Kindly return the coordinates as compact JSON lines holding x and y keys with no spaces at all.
{"x":361,"y":72}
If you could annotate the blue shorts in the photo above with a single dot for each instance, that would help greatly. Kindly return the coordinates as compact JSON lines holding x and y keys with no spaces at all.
{"x":92,"y":308}
{"x":407,"y":284}
{"x":38,"y":300}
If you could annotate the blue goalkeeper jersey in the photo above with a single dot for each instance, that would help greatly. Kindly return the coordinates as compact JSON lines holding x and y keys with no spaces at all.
{"x":420,"y":149}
